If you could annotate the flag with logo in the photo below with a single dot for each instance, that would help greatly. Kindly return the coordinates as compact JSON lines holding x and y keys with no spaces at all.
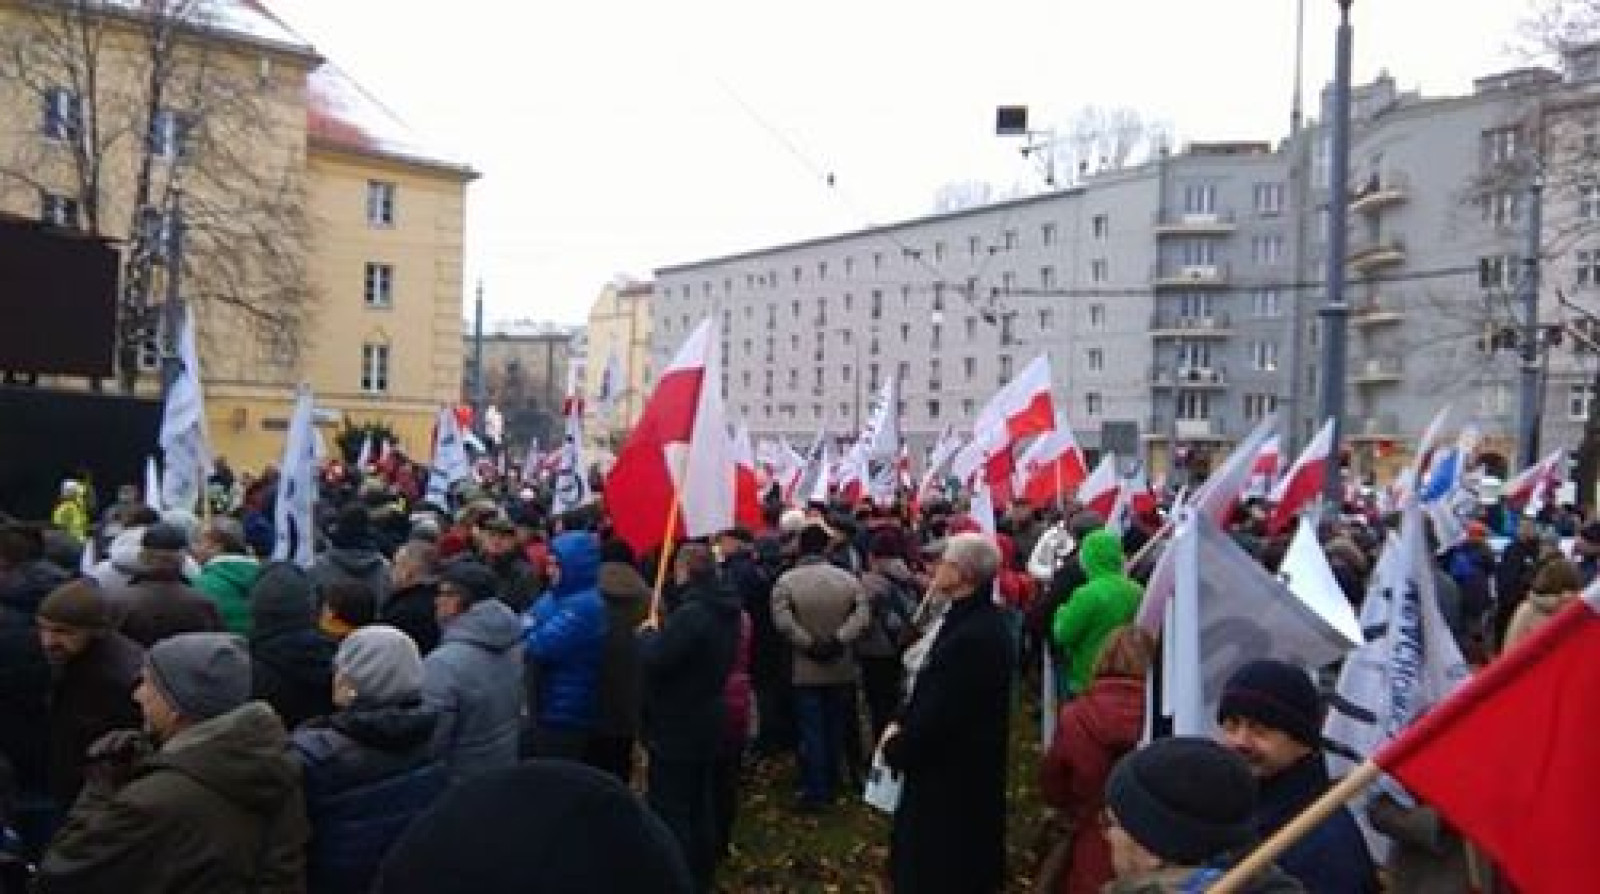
{"x":185,"y":447}
{"x":294,"y":521}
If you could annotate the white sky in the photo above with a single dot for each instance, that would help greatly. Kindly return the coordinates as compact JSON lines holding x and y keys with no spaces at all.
{"x":622,"y":135}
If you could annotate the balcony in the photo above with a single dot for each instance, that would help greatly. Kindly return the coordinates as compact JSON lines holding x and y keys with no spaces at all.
{"x":1369,"y":254}
{"x":1183,"y":223}
{"x":1200,"y":430}
{"x":1191,"y":378}
{"x":1380,"y":191}
{"x":1376,"y":311}
{"x":1178,"y":325}
{"x":1189,"y":276}
{"x":1378,"y":371}
{"x":1380,"y":427}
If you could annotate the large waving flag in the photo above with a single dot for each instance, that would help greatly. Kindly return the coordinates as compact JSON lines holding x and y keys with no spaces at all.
{"x":1409,"y":664}
{"x":293,"y":520}
{"x":1052,"y":465}
{"x":1020,"y":409}
{"x":1264,"y":472}
{"x":1100,"y":490}
{"x":185,"y":447}
{"x":1532,"y":487}
{"x":677,"y":464}
{"x":450,"y":461}
{"x":1229,"y":610}
{"x":1509,"y":760}
{"x":1449,"y":493}
{"x":1303,"y":482}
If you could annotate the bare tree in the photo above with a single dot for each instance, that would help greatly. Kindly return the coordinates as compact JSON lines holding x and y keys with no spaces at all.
{"x":155,"y":125}
{"x":961,"y":195}
{"x":1095,"y":139}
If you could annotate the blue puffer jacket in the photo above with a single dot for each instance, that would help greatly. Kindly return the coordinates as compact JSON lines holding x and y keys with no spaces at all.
{"x":566,"y":636}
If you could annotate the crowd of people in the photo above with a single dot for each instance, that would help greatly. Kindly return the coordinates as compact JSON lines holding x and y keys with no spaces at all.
{"x":502,"y":699}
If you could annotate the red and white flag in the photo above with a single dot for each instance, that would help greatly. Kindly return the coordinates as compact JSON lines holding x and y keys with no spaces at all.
{"x":1052,"y":465}
{"x":1021,"y":409}
{"x":1264,"y":472}
{"x":746,"y":488}
{"x":1303,"y":481}
{"x":1531,"y":488}
{"x":1100,"y":490}
{"x":679,"y":451}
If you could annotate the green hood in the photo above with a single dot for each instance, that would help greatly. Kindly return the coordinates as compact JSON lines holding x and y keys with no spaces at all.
{"x":1101,"y":555}
{"x":237,"y":572}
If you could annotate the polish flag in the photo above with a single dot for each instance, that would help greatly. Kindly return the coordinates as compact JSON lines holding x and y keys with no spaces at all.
{"x":679,"y":452}
{"x":1303,"y":481}
{"x":1022,"y":408}
{"x":1051,"y":465}
{"x":746,"y":487}
{"x":1532,"y":486}
{"x":855,"y":475}
{"x":1264,"y":472}
{"x":1100,"y":490}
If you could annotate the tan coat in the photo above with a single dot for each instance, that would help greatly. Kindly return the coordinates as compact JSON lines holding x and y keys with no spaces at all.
{"x":1532,"y":614}
{"x":815,"y":600}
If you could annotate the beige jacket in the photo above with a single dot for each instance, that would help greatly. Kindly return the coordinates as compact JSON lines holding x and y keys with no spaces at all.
{"x":1532,"y":614}
{"x":815,"y":600}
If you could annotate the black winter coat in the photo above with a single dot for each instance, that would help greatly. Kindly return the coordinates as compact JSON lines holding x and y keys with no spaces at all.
{"x":411,"y":610}
{"x":369,"y":771}
{"x":24,"y":672}
{"x":93,"y":695}
{"x":293,"y":672}
{"x":617,"y":697}
{"x":686,"y":665}
{"x":752,"y":583}
{"x":950,"y":827}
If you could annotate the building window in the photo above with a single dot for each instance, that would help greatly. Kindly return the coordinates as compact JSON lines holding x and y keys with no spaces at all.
{"x":1194,"y":405}
{"x":1264,"y":355}
{"x":1005,"y":368}
{"x":935,"y":333}
{"x":935,"y":381}
{"x":1497,"y":271}
{"x":1588,"y":267}
{"x":1194,"y":355}
{"x":1008,"y":282}
{"x":972,"y":328}
{"x":1012,"y":239}
{"x":872,"y":376}
{"x":378,"y":287}
{"x":1047,"y":278}
{"x":877,"y":260}
{"x":1257,"y":406}
{"x":1099,"y":270}
{"x":1093,"y":403}
{"x":1194,"y":305}
{"x":849,"y":301}
{"x":1579,"y":399}
{"x":822,"y":270}
{"x":1047,"y":234}
{"x":1097,"y":360}
{"x":794,"y":378}
{"x":1266,"y":303}
{"x":875,"y":309}
{"x":938,"y":296}
{"x":1101,"y":226}
{"x":745,"y":377}
{"x":974,"y":245}
{"x":1097,"y":316}
{"x":1588,"y":201}
{"x":1501,"y":144}
{"x":1198,"y":253}
{"x":968,"y":407}
{"x":374,"y":369}
{"x":969,"y":367}
{"x":1269,"y":199}
{"x":933,"y":408}
{"x":63,"y":113}
{"x":1046,"y":318}
{"x":380,"y":203}
{"x":938,"y":252}
{"x":849,"y":265}
{"x":905,"y":332}
{"x":1267,"y":249}
{"x":169,"y":134}
{"x":58,"y":210}
{"x":1502,"y":207}
{"x":1200,"y":198}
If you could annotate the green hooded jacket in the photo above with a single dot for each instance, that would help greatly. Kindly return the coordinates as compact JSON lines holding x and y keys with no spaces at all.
{"x":1108,"y":600}
{"x":226,"y":580}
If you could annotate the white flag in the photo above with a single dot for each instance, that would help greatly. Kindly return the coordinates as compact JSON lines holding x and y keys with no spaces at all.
{"x":293,"y":521}
{"x":185,"y":448}
{"x":364,"y":455}
{"x":530,"y":463}
{"x":881,"y":440}
{"x":1227,"y":611}
{"x":1409,"y":663}
{"x":818,"y":492}
{"x":152,"y":484}
{"x":571,"y":473}
{"x":981,"y":507}
{"x":450,"y":462}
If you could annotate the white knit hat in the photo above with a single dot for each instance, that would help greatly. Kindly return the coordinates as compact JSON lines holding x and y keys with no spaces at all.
{"x":381,"y":663}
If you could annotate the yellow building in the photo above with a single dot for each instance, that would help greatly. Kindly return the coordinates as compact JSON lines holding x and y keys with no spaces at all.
{"x":619,"y":327}
{"x":322,"y":243}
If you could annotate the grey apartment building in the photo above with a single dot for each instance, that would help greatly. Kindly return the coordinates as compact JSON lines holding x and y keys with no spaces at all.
{"x":1178,"y":299}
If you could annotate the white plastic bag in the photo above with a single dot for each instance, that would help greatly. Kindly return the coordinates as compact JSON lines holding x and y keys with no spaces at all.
{"x":883,"y":785}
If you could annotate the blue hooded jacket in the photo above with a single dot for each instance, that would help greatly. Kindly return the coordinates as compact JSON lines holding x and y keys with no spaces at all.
{"x":566,"y":635}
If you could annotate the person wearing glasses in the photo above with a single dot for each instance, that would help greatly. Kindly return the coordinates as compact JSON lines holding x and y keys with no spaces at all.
{"x":473,"y":680}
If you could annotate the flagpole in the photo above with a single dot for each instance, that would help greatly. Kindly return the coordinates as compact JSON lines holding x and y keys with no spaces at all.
{"x":665,"y":560}
{"x":1334,"y":798}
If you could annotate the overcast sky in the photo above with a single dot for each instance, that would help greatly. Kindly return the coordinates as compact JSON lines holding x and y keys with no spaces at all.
{"x":616,"y":136}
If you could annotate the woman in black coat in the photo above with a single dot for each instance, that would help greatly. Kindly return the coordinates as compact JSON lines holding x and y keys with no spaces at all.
{"x":369,"y":767}
{"x":950,"y":741}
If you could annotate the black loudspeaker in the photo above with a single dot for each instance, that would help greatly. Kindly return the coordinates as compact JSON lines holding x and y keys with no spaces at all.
{"x":1011,"y":121}
{"x":49,"y":436}
{"x":58,"y":301}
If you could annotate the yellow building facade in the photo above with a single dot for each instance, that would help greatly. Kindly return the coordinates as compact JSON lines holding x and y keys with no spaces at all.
{"x":371,"y":258}
{"x":619,"y":327}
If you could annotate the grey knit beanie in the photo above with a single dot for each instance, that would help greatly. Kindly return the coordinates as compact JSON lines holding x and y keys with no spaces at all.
{"x":203,"y":675}
{"x":381,"y":663}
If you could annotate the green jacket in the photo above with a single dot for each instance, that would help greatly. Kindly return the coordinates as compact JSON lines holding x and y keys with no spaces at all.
{"x":1108,"y":600}
{"x":227,"y":581}
{"x":217,"y":810}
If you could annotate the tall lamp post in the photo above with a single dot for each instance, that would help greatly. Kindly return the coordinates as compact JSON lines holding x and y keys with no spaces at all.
{"x":1335,"y":310}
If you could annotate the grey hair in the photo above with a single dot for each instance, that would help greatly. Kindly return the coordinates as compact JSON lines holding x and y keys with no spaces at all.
{"x":228,"y":534}
{"x":975,"y":554}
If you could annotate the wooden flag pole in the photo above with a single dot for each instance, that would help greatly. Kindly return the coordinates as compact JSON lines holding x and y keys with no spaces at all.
{"x":664,"y":562}
{"x":1334,"y":798}
{"x":1160,"y":535}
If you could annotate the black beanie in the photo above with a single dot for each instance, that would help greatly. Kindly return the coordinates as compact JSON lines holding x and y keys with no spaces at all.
{"x":1277,"y":695}
{"x":1185,"y":800}
{"x":554,"y":827}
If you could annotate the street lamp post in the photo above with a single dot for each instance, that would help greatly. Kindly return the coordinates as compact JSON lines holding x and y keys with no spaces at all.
{"x":1335,"y":311}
